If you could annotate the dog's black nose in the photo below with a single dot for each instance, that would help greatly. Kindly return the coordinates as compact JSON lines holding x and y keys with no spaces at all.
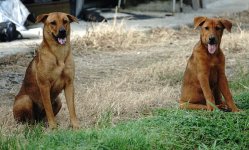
{"x":62,"y":32}
{"x":212,"y":40}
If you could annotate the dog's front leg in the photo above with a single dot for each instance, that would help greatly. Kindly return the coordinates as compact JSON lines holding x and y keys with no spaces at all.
{"x":203,"y":77}
{"x":223,"y":86}
{"x":69,"y":94}
{"x":45,"y":96}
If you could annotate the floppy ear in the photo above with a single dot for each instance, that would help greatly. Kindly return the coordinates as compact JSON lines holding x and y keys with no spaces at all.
{"x":41,"y":18}
{"x":72,"y":18}
{"x":198,"y":21}
{"x":227,"y":24}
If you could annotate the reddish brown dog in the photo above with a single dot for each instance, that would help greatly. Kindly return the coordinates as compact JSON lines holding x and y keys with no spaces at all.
{"x":204,"y":79}
{"x":50,"y":72}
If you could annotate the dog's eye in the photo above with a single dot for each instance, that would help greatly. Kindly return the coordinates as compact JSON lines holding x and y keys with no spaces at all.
{"x":53,"y":23}
{"x":206,"y":28}
{"x":65,"y":21}
{"x":218,"y":28}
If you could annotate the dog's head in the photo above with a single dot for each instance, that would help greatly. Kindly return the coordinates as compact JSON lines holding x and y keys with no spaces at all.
{"x":211,"y":31}
{"x":56,"y":26}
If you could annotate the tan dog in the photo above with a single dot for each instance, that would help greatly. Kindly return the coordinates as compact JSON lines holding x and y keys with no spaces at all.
{"x":204,"y":78}
{"x":50,"y":72}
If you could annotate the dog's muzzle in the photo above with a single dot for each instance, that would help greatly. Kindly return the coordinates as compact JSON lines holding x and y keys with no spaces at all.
{"x":61,"y":37}
{"x":212,"y":45}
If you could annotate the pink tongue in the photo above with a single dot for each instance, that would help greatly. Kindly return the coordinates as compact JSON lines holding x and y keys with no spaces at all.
{"x":62,"y":41}
{"x":212,"y":48}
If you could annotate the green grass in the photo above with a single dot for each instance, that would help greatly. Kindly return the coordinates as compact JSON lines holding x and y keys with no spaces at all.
{"x":165,"y":129}
{"x":241,"y":83}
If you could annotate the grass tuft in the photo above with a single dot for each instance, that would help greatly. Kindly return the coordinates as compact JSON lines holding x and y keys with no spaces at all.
{"x":117,"y":36}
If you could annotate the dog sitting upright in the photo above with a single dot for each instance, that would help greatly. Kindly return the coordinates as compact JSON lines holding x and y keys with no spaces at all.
{"x":204,"y":78}
{"x":50,"y":72}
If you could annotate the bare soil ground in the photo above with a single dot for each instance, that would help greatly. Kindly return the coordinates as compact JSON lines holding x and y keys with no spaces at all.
{"x":124,"y":74}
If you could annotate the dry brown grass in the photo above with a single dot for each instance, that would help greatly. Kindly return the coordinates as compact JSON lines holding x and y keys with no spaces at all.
{"x":135,"y":92}
{"x":107,"y":36}
{"x":235,"y":47}
{"x":117,"y":36}
{"x":131,"y":95}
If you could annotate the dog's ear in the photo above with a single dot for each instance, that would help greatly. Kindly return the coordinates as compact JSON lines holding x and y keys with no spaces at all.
{"x":227,"y":24}
{"x":72,"y":18}
{"x":198,"y":21}
{"x":41,"y":18}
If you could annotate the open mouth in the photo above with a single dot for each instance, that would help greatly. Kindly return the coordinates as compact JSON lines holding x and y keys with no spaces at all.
{"x":212,"y":48}
{"x":60,"y":40}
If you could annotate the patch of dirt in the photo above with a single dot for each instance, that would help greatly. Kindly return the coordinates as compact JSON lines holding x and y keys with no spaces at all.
{"x":12,"y":69}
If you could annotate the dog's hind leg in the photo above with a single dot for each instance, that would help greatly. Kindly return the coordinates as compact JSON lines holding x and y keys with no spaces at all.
{"x":186,"y":105}
{"x":40,"y":114}
{"x":23,"y":109}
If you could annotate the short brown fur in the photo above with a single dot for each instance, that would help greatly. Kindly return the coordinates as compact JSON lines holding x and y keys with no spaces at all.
{"x":204,"y":78}
{"x":50,"y":72}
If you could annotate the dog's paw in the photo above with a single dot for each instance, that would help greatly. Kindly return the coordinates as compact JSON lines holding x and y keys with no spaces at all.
{"x":235,"y":110}
{"x":75,"y":124}
{"x":210,"y":108}
{"x":52,"y":125}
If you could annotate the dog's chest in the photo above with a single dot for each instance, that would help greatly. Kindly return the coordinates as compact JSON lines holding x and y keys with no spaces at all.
{"x":58,"y":69}
{"x":213,"y":77}
{"x":59,"y":74}
{"x":214,"y":62}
